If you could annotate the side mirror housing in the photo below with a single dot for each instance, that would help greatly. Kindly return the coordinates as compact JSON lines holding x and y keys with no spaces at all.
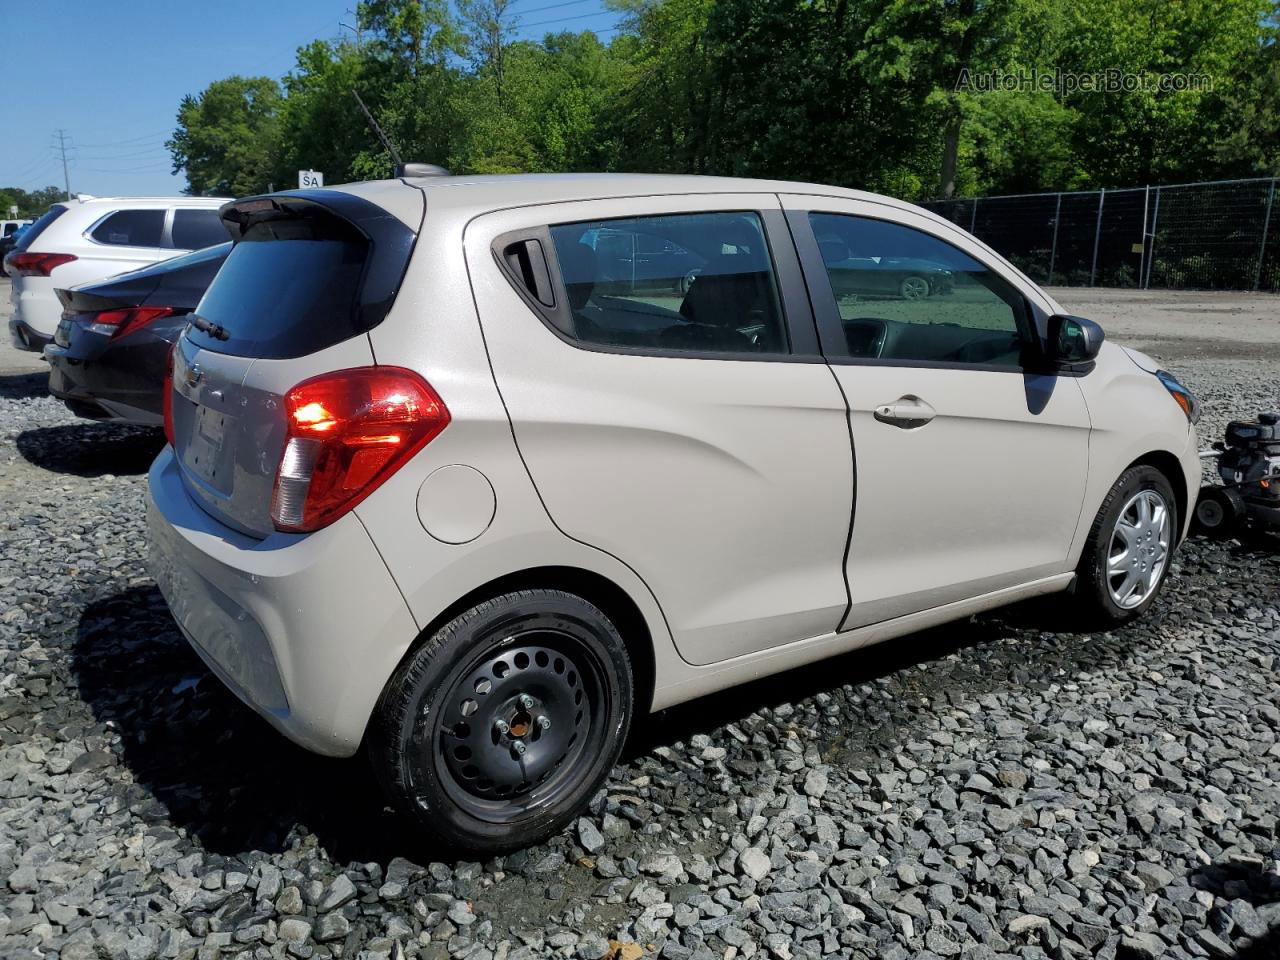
{"x":1073,"y":340}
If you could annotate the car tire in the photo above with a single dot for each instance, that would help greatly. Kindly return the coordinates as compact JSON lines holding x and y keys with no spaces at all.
{"x":1219,"y":513}
{"x":1126,"y":557}
{"x":443,"y":741}
{"x":913,"y":288}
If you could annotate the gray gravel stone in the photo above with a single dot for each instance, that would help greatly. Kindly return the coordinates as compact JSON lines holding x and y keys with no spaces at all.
{"x":754,"y":863}
{"x":1026,"y":793}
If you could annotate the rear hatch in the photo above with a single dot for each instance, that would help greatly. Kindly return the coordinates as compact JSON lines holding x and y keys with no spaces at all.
{"x":309,"y":274}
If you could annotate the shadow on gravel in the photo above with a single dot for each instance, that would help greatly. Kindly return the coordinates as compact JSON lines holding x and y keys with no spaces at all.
{"x":23,"y":386}
{"x":204,"y":762}
{"x":1258,"y":888}
{"x":91,"y":449}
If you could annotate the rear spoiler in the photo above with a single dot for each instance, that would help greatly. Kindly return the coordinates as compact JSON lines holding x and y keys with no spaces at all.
{"x":390,"y":241}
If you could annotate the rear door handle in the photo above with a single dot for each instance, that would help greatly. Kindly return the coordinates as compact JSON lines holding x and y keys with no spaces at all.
{"x":907,"y":412}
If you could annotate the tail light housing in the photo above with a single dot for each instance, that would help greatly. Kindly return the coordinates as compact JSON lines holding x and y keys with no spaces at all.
{"x":346,"y":433}
{"x":29,"y":264}
{"x":120,"y":323}
{"x":168,"y":396}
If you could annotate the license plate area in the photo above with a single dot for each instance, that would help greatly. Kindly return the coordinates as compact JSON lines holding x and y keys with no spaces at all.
{"x":206,"y":454}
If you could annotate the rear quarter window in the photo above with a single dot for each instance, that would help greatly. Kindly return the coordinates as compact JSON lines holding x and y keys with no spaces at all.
{"x":196,"y":229}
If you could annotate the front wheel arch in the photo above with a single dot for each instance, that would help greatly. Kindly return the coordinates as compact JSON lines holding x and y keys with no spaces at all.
{"x":1171,"y":467}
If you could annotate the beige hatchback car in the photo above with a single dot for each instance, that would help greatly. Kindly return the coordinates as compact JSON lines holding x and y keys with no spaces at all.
{"x":473,"y":471}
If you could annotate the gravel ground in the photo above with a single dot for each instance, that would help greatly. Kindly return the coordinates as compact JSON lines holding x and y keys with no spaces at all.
{"x":995,"y":788}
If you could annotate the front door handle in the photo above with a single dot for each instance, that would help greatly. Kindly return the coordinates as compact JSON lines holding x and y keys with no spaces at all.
{"x":907,"y":412}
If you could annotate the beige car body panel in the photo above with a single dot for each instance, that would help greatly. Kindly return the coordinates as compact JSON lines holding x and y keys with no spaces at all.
{"x":725,"y":484}
{"x":752,"y":602}
{"x":984,"y":497}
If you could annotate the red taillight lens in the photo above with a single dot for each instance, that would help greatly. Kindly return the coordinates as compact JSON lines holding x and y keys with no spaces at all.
{"x":347,"y":432}
{"x":168,"y":397}
{"x":120,"y":323}
{"x":36,"y":264}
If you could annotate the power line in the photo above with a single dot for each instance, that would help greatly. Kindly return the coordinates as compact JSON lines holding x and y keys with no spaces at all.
{"x":581,"y":16}
{"x":121,"y":143}
{"x":552,"y":6}
{"x":149,"y":151}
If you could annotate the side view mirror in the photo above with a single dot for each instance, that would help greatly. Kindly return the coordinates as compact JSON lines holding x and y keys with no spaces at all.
{"x":1073,"y":339}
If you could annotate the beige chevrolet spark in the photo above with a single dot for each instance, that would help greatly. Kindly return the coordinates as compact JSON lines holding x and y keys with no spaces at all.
{"x":473,"y":471}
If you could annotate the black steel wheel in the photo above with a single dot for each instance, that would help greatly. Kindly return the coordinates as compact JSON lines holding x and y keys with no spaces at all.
{"x":497,"y":731}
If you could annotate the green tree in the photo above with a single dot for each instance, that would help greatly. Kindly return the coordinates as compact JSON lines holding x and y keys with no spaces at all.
{"x":30,"y":203}
{"x":227,"y":137}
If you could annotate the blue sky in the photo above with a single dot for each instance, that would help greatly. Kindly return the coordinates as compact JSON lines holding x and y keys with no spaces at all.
{"x":111,"y":75}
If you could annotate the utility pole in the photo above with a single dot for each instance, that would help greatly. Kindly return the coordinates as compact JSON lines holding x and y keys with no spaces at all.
{"x":62,"y":148}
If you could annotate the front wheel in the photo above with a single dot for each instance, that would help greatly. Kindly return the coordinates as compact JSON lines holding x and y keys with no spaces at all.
{"x":498,"y":730}
{"x":1130,"y":544}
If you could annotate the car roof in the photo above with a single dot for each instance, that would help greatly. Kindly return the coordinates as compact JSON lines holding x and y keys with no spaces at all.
{"x":481,"y":194}
{"x":179,"y":201}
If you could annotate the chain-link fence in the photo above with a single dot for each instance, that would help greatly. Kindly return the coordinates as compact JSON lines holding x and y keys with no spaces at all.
{"x":1210,"y":236}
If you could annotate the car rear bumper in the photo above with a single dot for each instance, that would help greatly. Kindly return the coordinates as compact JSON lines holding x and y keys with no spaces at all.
{"x":25,"y":337}
{"x":305,"y":629}
{"x":106,"y":379}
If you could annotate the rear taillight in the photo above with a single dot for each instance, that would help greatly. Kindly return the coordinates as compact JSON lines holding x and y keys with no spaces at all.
{"x":347,"y":432}
{"x":119,"y":323}
{"x":168,"y":396}
{"x":36,"y":264}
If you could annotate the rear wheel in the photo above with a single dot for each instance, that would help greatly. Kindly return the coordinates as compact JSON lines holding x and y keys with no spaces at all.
{"x":496,"y":732}
{"x":1127,"y":554}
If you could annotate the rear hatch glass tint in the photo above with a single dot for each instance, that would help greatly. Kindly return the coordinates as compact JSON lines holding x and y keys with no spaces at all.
{"x":39,"y":227}
{"x":289,"y":287}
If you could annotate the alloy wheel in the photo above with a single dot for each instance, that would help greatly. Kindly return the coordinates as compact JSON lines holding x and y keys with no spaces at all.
{"x":914,"y":288}
{"x":1139,"y":549}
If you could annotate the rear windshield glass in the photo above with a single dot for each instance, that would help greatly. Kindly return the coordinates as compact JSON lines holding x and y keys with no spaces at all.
{"x":39,"y":227}
{"x":289,"y":287}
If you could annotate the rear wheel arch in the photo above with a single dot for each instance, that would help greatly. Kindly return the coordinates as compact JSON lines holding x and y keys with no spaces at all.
{"x":612,"y":600}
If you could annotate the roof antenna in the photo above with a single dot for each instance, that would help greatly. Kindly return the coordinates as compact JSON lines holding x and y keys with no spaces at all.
{"x":395,"y":154}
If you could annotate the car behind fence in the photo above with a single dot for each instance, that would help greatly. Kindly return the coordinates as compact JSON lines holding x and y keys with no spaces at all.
{"x":1217,"y":235}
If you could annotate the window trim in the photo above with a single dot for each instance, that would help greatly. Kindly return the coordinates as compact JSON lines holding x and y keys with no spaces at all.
{"x":826,"y":309}
{"x":798,"y":324}
{"x":165,"y":213}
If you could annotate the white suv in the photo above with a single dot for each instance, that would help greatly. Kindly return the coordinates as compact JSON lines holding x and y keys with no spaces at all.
{"x":447,"y":478}
{"x":91,"y":238}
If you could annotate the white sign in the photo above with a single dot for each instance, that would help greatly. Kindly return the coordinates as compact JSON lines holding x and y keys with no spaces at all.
{"x":310,"y":178}
{"x":13,"y":209}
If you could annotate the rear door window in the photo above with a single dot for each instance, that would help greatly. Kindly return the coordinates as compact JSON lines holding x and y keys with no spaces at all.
{"x":29,"y":235}
{"x":289,"y":287}
{"x":131,"y":228}
{"x":197,"y":229}
{"x":699,"y":283}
